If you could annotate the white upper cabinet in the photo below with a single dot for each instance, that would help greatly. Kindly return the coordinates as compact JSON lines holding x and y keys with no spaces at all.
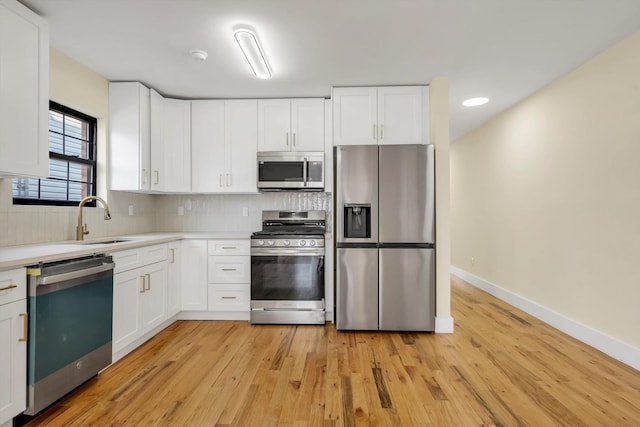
{"x":170,"y":144}
{"x":383,"y":115}
{"x":224,"y":142}
{"x":24,"y":92}
{"x":129,"y":141}
{"x":291,"y":124}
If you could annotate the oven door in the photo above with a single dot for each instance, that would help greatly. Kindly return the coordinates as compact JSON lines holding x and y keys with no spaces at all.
{"x":287,"y":280}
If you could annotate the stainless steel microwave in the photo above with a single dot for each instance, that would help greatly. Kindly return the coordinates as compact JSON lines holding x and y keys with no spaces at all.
{"x":285,"y":171}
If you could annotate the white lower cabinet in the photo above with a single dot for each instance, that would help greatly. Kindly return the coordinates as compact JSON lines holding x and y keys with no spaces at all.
{"x":174,"y":302}
{"x":139,"y":294}
{"x":13,"y":344}
{"x":229,"y":276}
{"x":193,"y":283}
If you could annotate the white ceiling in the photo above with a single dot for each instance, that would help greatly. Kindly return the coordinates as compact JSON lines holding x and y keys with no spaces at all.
{"x":503,"y":49}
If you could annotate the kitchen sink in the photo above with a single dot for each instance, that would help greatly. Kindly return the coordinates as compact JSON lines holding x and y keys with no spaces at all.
{"x":101,"y":242}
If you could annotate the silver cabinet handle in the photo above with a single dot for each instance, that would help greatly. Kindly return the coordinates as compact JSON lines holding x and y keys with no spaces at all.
{"x":374,"y":131}
{"x":148,"y":282}
{"x":221,"y":180}
{"x":144,"y":288}
{"x":294,"y":139}
{"x":144,"y":176}
{"x":6,"y":288}
{"x":173,"y":256}
{"x":157,"y":173}
{"x":229,"y":247}
{"x":25,"y":327}
{"x":229,"y":297}
{"x":229,"y":269}
{"x":287,"y":139}
{"x":228,"y":180}
{"x":381,"y":131}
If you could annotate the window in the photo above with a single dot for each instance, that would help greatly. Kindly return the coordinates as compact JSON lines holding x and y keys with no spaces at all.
{"x":72,"y":162}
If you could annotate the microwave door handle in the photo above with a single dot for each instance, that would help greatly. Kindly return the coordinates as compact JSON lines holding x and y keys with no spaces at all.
{"x":305,"y":172}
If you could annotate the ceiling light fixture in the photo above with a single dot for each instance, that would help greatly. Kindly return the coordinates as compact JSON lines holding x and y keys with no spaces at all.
{"x":248,"y":42}
{"x":475,"y":102}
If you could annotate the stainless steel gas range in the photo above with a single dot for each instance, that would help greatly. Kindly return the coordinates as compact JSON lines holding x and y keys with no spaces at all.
{"x":287,"y":268}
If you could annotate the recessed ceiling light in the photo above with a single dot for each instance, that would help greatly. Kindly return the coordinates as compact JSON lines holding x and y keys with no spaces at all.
{"x":475,"y":102}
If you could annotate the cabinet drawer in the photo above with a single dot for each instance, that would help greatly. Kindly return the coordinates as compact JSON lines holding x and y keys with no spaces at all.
{"x":228,"y":297}
{"x":13,"y":285}
{"x":133,"y":258}
{"x":228,"y":247}
{"x":229,"y":269}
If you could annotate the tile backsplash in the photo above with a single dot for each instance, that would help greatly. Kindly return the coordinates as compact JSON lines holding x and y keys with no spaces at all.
{"x":225,"y":212}
{"x":28,"y":224}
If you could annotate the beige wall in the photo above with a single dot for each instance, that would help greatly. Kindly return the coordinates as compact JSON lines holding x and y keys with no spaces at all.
{"x":546,"y":197}
{"x":77,"y":87}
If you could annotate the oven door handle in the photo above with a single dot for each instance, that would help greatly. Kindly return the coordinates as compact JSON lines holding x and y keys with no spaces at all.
{"x":57,"y":278}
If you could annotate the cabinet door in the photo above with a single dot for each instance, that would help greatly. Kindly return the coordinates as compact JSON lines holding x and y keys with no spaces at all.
{"x":354,"y":116}
{"x":173,"y":280}
{"x":129,"y":143}
{"x":194,"y":275}
{"x":170,"y":144}
{"x":307,"y":124}
{"x":208,"y":146}
{"x":401,"y":115}
{"x":241,"y":135}
{"x":274,"y":125}
{"x":154,"y":299}
{"x":13,"y":359}
{"x":128,"y":288}
{"x":24,"y":89}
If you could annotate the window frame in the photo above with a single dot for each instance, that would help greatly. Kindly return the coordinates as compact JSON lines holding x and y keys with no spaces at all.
{"x":91,"y":161}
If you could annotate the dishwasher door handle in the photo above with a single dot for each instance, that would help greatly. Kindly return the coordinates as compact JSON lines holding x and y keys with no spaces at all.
{"x":56,"y":278}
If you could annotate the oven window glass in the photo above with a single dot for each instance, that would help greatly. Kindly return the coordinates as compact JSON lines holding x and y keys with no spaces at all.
{"x":280,"y":171}
{"x":291,"y":278}
{"x":315,"y":171}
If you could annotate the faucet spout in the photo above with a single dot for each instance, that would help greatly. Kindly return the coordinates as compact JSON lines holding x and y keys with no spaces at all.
{"x":82,"y":229}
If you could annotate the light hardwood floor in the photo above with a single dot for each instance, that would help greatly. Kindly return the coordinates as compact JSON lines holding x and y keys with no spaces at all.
{"x":500,"y":367}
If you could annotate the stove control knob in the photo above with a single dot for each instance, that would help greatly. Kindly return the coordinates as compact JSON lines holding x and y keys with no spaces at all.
{"x":312,"y":243}
{"x":287,"y":242}
{"x":260,"y":242}
{"x":303,"y":242}
{"x":271,"y":242}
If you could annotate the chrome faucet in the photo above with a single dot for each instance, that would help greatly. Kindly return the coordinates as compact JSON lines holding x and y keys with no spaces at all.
{"x":81,"y":229}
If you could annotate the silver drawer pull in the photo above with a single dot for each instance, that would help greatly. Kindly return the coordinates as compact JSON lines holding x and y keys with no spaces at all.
{"x":229,"y":297}
{"x":229,"y":269}
{"x":229,"y":247}
{"x":6,"y":288}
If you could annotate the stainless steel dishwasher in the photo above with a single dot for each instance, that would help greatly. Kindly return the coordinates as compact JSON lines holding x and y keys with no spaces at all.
{"x":70,"y":315}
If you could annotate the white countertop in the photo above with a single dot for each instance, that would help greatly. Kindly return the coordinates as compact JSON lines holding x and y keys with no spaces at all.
{"x":23,"y":255}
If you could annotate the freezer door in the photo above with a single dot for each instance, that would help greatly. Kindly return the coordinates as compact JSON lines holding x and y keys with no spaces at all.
{"x":407,"y":289}
{"x":356,"y":169}
{"x":357,"y":289}
{"x":407,"y":194}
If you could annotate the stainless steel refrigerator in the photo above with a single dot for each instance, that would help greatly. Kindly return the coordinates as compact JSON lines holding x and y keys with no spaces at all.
{"x":385,"y":256}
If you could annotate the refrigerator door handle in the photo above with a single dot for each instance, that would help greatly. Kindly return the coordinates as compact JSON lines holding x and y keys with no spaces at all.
{"x":305,"y":172}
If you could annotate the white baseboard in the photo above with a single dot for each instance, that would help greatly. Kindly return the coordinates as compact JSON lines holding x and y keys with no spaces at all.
{"x":615,"y":348}
{"x":444,"y":325}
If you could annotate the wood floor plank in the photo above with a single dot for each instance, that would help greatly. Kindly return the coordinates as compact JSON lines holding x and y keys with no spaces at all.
{"x":500,"y":367}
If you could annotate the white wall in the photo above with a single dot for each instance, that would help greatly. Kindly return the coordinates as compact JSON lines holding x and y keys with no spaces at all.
{"x":546,"y":197}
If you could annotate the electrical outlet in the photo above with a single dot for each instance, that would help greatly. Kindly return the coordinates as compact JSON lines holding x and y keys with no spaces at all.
{"x":245,"y":211}
{"x":131,"y":211}
{"x":473,"y":261}
{"x":180,"y":210}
